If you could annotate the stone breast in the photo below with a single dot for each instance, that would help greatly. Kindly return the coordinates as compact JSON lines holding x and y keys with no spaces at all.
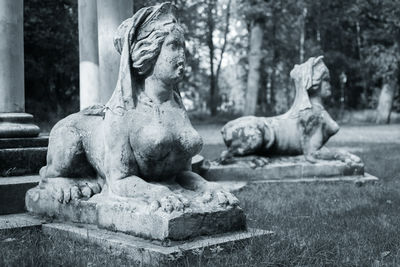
{"x":160,"y":149}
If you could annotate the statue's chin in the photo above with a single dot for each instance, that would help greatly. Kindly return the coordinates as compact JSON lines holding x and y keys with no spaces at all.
{"x":176,"y":80}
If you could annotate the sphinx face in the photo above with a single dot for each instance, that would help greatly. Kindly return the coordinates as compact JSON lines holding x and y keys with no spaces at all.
{"x":170,"y":64}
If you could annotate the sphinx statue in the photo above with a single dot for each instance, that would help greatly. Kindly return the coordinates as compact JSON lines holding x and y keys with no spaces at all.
{"x":302,"y":130}
{"x":135,"y":152}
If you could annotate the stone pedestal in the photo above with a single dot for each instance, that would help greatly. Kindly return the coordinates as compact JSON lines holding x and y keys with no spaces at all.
{"x":287,"y":168}
{"x":136,"y":216}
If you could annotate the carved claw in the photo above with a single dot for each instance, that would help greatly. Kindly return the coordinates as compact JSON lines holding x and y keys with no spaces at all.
{"x":259,"y":162}
{"x":227,"y":199}
{"x":310,"y":158}
{"x":226,"y":157}
{"x":207,"y":197}
{"x":222,"y":198}
{"x":172,"y":202}
{"x":75,"y":193}
{"x":355,"y":158}
{"x":90,"y":188}
{"x":64,"y":190}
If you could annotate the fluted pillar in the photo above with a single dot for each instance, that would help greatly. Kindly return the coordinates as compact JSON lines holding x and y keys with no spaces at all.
{"x":13,"y":121}
{"x":89,"y":84}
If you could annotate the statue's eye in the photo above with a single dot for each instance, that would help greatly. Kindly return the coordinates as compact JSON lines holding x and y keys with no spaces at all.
{"x":173,"y":44}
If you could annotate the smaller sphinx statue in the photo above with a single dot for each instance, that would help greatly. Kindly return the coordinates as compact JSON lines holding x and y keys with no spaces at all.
{"x":302,"y":130}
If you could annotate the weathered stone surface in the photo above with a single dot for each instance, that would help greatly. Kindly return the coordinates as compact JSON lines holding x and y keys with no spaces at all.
{"x":137,"y":217}
{"x":12,"y":193}
{"x":19,"y":221}
{"x":302,"y":130}
{"x":152,"y":252}
{"x":253,"y":168}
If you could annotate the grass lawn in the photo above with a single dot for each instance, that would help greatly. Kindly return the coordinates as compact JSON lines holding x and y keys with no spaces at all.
{"x":333,"y":224}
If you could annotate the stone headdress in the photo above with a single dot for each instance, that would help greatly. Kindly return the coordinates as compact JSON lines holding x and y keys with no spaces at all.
{"x":132,"y":30}
{"x":306,"y":76}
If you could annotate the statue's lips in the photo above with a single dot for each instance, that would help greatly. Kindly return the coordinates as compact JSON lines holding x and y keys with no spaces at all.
{"x":181,"y":69}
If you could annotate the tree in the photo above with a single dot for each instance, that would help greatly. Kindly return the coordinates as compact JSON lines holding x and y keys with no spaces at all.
{"x":211,"y":10}
{"x":51,"y":58}
{"x":255,"y":59}
{"x":382,"y":49}
{"x":255,"y":13}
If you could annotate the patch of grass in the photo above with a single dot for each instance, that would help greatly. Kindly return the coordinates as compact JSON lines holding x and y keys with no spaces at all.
{"x":333,"y":224}
{"x":33,"y":248}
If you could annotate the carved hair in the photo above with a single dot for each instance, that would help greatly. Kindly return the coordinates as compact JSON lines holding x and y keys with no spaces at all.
{"x":145,"y":52}
{"x":139,"y":40}
{"x":318,"y":70}
{"x":307,"y":77}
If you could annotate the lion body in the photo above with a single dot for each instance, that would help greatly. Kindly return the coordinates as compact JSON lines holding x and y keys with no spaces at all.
{"x":152,"y":142}
{"x":293,"y":133}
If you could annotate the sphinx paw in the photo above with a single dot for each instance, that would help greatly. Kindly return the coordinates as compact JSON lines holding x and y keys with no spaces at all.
{"x":172,"y":203}
{"x":221,"y":197}
{"x":259,"y":162}
{"x":225,"y":198}
{"x":65,"y":190}
{"x":90,"y":188}
{"x":310,"y":158}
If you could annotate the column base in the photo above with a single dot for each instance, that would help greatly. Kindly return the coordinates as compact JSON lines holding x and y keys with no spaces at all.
{"x":17,"y":125}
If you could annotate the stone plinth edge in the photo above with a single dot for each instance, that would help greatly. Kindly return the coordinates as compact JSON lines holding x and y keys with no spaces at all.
{"x":152,"y":252}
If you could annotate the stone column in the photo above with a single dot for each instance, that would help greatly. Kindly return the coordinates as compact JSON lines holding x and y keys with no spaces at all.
{"x":89,"y":86}
{"x":110,"y":16}
{"x":13,"y":121}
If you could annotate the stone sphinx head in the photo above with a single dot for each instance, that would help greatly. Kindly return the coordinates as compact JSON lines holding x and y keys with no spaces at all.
{"x":148,"y":30}
{"x":313,"y":77}
{"x":151,"y":43}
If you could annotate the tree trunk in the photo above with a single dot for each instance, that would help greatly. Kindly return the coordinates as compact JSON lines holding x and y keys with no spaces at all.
{"x":385,"y":103}
{"x":302,"y":34}
{"x":255,"y":58}
{"x":213,"y":101}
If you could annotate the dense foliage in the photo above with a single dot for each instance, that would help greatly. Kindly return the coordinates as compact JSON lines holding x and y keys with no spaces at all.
{"x":51,"y":58}
{"x":359,"y":39}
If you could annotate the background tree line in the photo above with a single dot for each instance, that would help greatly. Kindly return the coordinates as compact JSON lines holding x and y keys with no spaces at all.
{"x":239,"y":54}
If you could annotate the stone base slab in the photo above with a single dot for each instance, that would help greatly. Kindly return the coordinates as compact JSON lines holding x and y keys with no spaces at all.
{"x":152,"y":252}
{"x":357,"y":179}
{"x":19,"y":221}
{"x":235,"y":186}
{"x":137,"y":218}
{"x":280,"y":168}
